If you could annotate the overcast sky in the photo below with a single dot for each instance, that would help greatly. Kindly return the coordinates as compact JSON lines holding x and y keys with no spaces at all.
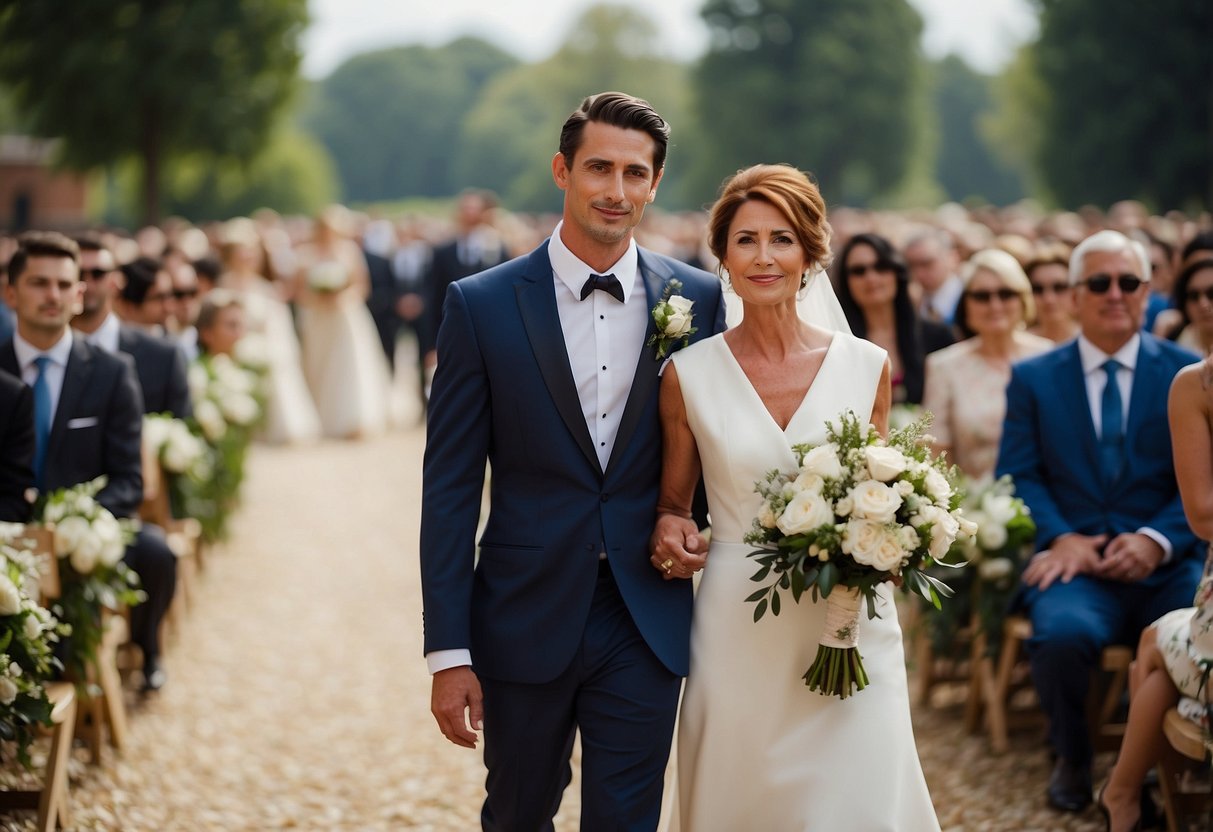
{"x":984,"y":32}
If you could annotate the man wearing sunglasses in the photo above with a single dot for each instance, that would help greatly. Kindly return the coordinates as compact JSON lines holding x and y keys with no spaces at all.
{"x":1087,"y":442}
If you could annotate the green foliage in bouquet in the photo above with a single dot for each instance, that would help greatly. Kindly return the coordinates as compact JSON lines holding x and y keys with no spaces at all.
{"x":856,"y":512}
{"x":993,"y":560}
{"x":28,"y":632}
{"x":90,"y":543}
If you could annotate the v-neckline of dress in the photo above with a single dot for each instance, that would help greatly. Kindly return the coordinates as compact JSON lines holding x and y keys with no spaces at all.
{"x":754,"y":390}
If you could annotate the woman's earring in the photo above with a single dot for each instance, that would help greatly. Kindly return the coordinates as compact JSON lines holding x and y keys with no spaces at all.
{"x":804,"y":280}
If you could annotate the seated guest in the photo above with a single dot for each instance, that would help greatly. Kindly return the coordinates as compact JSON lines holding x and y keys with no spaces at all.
{"x":16,"y":449}
{"x":88,"y":416}
{"x":967,"y":382}
{"x":1162,"y":276}
{"x":1049,"y":273}
{"x":1176,"y":652}
{"x":220,"y":323}
{"x":145,"y":298}
{"x":933,"y":263}
{"x":1194,"y":301}
{"x":159,"y":364}
{"x":184,"y":305}
{"x":1086,"y":440}
{"x":874,"y":290}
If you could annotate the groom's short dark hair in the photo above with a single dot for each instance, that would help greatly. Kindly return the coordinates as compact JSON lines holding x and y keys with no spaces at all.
{"x":617,"y":109}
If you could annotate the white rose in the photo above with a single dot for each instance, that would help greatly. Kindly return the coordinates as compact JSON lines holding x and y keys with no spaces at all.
{"x":107,"y":528}
{"x":240,"y":408}
{"x":944,"y":529}
{"x":766,"y":516}
{"x":679,"y":321}
{"x":884,"y":463}
{"x":32,"y":627}
{"x":155,"y":432}
{"x":8,"y":690}
{"x":844,"y":507}
{"x":823,"y":461}
{"x":809,"y":482}
{"x":908,"y":538}
{"x":68,"y":533}
{"x":937,"y":486}
{"x":87,"y":552}
{"x":875,"y":501}
{"x":198,"y":381}
{"x":992,"y":535}
{"x":252,"y":351}
{"x":85,"y":505}
{"x":210,"y":419}
{"x":10,"y":597}
{"x":873,"y":545}
{"x":806,"y":511}
{"x":111,"y":553}
{"x":994,"y":569}
{"x":904,"y":487}
{"x":968,"y":528}
{"x":999,"y":507}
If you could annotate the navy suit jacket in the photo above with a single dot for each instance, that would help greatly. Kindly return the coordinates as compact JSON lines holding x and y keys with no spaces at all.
{"x":504,"y":392}
{"x":1050,"y":448}
{"x":97,"y":428}
{"x":16,"y":449}
{"x":160,"y":365}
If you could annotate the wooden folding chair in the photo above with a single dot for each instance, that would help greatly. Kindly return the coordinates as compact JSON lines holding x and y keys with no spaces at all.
{"x":50,"y":800}
{"x":183,"y":536}
{"x":1180,"y":768}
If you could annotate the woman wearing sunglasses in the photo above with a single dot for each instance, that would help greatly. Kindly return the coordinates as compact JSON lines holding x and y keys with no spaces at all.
{"x":1194,"y":301}
{"x":873,"y":287}
{"x":966,"y":383}
{"x":1049,"y":273}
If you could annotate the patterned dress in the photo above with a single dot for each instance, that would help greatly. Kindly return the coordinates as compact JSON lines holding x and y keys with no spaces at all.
{"x":1185,"y":637}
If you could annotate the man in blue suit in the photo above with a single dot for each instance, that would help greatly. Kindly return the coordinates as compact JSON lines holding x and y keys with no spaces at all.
{"x":545,"y":371}
{"x":1087,"y":442}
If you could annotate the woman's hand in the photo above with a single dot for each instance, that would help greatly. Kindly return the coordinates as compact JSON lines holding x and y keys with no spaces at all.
{"x":677,"y":548}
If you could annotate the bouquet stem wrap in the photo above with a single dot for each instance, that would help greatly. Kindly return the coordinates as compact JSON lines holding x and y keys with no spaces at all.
{"x":838,"y":668}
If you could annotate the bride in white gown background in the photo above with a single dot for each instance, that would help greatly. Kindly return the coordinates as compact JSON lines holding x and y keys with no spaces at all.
{"x":756,"y":748}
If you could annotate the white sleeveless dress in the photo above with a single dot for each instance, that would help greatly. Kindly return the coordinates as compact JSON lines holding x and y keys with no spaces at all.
{"x":756,"y":748}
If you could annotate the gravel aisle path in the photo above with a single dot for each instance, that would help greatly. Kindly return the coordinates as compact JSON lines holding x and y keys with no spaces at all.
{"x":298,"y":698}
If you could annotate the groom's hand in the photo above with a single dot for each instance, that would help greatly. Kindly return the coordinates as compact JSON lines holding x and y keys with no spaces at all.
{"x":1072,"y":554}
{"x":678,"y":549}
{"x":456,"y":690}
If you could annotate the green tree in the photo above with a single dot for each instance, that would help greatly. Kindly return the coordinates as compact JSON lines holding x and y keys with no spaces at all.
{"x":1128,"y":114}
{"x":966,"y":166}
{"x":1013,"y":128}
{"x":831,"y":86}
{"x":391,"y":118}
{"x":151,"y":79}
{"x":512,"y":133}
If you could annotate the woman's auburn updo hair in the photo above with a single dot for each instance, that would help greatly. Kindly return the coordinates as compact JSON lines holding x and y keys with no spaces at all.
{"x":791,"y":193}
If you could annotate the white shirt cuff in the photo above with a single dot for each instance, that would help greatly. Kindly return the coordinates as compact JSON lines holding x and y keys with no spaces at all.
{"x":1157,"y":537}
{"x":441,"y":660}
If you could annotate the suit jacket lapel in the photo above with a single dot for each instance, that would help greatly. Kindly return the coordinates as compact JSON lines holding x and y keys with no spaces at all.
{"x":8,"y":360}
{"x":75,"y":380}
{"x":536,"y":296}
{"x":648,"y":369}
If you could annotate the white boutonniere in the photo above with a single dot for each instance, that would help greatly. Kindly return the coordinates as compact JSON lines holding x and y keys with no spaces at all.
{"x":673,"y":317}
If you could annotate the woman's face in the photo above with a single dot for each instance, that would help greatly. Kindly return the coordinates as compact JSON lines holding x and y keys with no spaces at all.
{"x":1198,"y":300}
{"x":991,"y":306}
{"x":871,"y":286}
{"x":225,"y":330}
{"x":1051,"y":290}
{"x":763,"y":255}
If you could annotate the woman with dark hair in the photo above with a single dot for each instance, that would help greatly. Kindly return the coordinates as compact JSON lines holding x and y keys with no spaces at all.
{"x":1194,"y":302}
{"x":874,"y":290}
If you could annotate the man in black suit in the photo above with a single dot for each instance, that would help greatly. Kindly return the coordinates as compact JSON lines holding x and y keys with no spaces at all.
{"x":16,"y":449}
{"x":476,"y":247}
{"x":88,"y":415}
{"x":377,"y":243}
{"x":159,"y":363}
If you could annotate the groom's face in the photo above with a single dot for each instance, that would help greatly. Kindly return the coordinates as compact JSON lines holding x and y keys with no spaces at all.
{"x":607,"y":183}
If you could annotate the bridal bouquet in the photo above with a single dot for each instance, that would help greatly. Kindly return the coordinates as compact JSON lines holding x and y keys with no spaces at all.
{"x":327,"y":277}
{"x":90,"y":543}
{"x":857,"y":511}
{"x":28,"y":632}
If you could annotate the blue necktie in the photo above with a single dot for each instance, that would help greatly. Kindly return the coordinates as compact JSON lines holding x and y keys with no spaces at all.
{"x":1112,"y":435}
{"x":606,"y":282}
{"x":42,"y":417}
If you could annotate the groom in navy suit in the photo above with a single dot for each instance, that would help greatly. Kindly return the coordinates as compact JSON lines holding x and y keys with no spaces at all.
{"x":1087,"y":441}
{"x":545,"y":372}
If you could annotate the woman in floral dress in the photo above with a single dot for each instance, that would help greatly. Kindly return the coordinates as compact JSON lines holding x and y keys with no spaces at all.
{"x":1175,"y":656}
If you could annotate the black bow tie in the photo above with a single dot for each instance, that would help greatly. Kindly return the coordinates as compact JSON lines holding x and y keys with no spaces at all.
{"x":606,"y":282}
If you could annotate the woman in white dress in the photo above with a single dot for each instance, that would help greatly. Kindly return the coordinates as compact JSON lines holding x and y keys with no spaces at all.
{"x":756,"y":748}
{"x":290,"y":415}
{"x":342,"y":357}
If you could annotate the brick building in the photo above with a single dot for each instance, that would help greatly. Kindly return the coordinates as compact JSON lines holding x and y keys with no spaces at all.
{"x":32,"y":193}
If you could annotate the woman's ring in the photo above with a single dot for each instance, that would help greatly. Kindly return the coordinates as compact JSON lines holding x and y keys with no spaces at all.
{"x":667,"y":565}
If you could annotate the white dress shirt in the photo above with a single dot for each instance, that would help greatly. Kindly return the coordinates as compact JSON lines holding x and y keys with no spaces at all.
{"x":105,"y":337}
{"x":603,"y":339}
{"x":1096,"y":379}
{"x":941,"y":304}
{"x":56,"y":371}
